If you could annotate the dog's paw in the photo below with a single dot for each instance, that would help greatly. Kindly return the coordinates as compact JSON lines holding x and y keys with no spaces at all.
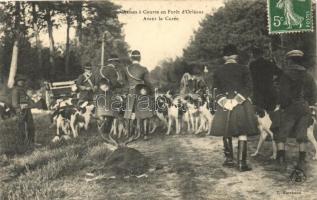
{"x":66,"y":137}
{"x":55,"y":139}
{"x":273,"y":157}
{"x":254,"y":154}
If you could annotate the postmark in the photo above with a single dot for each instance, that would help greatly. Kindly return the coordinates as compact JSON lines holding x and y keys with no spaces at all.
{"x":289,"y":16}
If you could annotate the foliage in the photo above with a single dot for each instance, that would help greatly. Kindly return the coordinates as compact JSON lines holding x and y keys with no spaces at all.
{"x":243,"y":23}
{"x":40,"y":174}
{"x":90,"y":20}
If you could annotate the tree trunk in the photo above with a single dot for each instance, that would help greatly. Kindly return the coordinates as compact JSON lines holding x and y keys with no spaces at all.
{"x":39,"y":51}
{"x":37,"y":37}
{"x":79,"y":33}
{"x":51,"y":41}
{"x":67,"y":52}
{"x":14,"y":63}
{"x":15,"y":50}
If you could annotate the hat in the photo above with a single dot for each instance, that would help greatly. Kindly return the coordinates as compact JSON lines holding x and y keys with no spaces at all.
{"x":113,"y":57}
{"x":88,"y":66}
{"x":135,"y":53}
{"x":142,"y":89}
{"x":295,"y":53}
{"x":229,"y":50}
{"x":20,"y":77}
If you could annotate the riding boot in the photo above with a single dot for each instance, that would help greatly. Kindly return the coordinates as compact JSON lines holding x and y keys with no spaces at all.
{"x":108,"y":125}
{"x":146,"y":129}
{"x":281,"y":161}
{"x":301,"y":160}
{"x":298,"y":174}
{"x":242,"y":156}
{"x":131,"y":127}
{"x":228,"y":151}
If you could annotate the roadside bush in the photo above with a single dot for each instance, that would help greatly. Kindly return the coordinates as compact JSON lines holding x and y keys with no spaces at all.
{"x":39,"y":184}
{"x":10,"y":142}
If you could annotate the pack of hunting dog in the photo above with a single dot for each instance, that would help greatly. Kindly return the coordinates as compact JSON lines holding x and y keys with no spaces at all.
{"x":232,"y":88}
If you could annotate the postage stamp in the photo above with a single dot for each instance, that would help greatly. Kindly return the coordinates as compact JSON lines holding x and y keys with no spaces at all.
{"x":287,"y":16}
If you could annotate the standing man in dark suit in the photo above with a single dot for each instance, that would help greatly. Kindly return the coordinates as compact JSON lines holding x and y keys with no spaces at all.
{"x":139,"y":104}
{"x":22,"y":104}
{"x":235,"y":116}
{"x":86,"y":84}
{"x":297,"y":93}
{"x":110,"y":81}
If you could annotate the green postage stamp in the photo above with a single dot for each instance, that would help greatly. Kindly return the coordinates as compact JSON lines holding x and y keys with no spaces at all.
{"x":287,"y":16}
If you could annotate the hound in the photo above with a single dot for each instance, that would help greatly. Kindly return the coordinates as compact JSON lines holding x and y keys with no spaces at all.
{"x":191,"y":116}
{"x":6,"y":111}
{"x":86,"y":110}
{"x":70,"y":120}
{"x":265,"y":124}
{"x":175,"y":111}
{"x":206,"y":118}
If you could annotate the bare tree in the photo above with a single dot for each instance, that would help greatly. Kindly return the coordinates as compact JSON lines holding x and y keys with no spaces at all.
{"x":49,"y":10}
{"x":37,"y":25}
{"x":15,"y":50}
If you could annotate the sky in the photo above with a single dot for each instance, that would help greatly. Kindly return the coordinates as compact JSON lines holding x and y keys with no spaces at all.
{"x":157,"y":39}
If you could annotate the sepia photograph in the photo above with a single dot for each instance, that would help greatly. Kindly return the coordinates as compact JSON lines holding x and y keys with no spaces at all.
{"x":158,"y":100}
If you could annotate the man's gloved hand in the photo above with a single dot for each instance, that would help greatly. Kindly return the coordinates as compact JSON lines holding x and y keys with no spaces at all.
{"x":230,"y":104}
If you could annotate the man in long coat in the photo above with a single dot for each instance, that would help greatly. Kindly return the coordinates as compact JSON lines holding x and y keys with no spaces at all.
{"x":264,"y":73}
{"x":22,"y":104}
{"x":297,"y":93}
{"x":110,"y":83}
{"x":86,"y":84}
{"x":235,"y":116}
{"x":139,"y":104}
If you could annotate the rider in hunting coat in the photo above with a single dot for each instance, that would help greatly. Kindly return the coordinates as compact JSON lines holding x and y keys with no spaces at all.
{"x":235,"y":116}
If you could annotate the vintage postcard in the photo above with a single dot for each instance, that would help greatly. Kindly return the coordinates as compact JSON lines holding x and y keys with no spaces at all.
{"x":158,"y":99}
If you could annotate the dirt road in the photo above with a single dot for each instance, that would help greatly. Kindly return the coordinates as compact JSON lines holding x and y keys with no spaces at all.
{"x":188,"y":167}
{"x":184,"y":167}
